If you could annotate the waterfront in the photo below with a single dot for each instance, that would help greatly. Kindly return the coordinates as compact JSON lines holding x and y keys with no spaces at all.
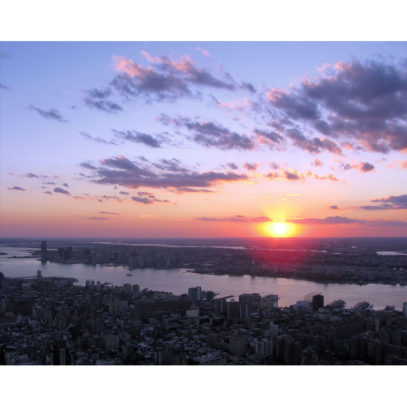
{"x":178,"y":281}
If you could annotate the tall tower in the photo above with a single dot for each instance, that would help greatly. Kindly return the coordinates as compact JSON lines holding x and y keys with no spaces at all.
{"x":44,"y":256}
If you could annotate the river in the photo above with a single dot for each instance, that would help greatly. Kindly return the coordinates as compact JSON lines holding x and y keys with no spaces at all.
{"x":178,"y":281}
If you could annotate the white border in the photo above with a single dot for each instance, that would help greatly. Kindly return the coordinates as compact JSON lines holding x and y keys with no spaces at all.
{"x":213,"y":20}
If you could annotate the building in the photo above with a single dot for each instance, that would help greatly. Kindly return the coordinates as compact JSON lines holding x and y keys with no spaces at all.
{"x":405,"y":309}
{"x":317,"y":302}
{"x":269,"y":302}
{"x":195,"y":293}
{"x":233,"y":311}
{"x":44,"y":256}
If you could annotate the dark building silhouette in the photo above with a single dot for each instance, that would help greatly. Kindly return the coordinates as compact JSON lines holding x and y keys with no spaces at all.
{"x":44,"y":256}
{"x":317,"y":302}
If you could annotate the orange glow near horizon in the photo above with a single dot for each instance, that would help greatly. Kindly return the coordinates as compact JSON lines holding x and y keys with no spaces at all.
{"x":278,"y":229}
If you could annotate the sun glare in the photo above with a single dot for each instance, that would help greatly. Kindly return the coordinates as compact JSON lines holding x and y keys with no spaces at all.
{"x":278,"y":229}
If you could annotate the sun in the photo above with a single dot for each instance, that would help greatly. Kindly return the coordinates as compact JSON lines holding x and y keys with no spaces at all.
{"x":278,"y":229}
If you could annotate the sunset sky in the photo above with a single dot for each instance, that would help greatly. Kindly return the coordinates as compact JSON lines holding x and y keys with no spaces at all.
{"x":149,"y":139}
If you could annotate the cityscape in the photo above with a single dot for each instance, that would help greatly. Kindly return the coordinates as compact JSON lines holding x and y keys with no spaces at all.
{"x":55,"y":321}
{"x":203,"y":203}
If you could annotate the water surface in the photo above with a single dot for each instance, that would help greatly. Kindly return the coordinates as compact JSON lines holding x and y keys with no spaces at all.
{"x":178,"y":281}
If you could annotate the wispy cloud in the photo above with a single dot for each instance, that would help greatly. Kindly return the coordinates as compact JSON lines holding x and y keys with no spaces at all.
{"x":330,"y":220}
{"x":51,"y":114}
{"x":16,"y":188}
{"x":139,"y":137}
{"x":147,"y":198}
{"x":99,"y":139}
{"x":211,"y":134}
{"x":97,"y":218}
{"x":61,"y":191}
{"x":98,"y":99}
{"x":236,"y":219}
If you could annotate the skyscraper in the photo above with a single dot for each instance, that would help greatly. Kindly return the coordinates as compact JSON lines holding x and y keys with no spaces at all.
{"x":43,"y":251}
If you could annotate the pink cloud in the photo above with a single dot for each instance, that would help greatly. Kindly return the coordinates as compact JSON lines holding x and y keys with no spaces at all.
{"x":204,"y":52}
{"x":398,"y":164}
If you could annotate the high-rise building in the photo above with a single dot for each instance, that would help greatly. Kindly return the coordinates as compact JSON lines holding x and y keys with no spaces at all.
{"x":233,"y":311}
{"x":405,"y":309}
{"x":43,"y":251}
{"x":195,"y":293}
{"x":317,"y":302}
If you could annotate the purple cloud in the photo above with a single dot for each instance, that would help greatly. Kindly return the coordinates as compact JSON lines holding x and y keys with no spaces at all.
{"x":16,"y":188}
{"x":138,"y":137}
{"x":51,"y":114}
{"x":61,"y":191}
{"x":98,"y":99}
{"x":141,"y":173}
{"x":236,"y":219}
{"x":360,"y":101}
{"x":211,"y":134}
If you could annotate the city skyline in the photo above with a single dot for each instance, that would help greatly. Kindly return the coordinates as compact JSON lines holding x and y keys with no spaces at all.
{"x":144,"y":139}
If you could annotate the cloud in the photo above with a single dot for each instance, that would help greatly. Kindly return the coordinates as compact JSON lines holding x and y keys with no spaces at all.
{"x":330,"y":220}
{"x":66,"y":185}
{"x":186,"y":70}
{"x":346,"y":166}
{"x":375,"y":207}
{"x":390,"y":202}
{"x":366,"y":167}
{"x":204,"y":52}
{"x":31,"y":175}
{"x":362,"y":102}
{"x":97,"y":218}
{"x":317,"y":163}
{"x":98,"y":139}
{"x":399,"y":164}
{"x":251,"y":166}
{"x":236,"y":219}
{"x":341,"y":220}
{"x":51,"y":114}
{"x":138,"y":137}
{"x":330,"y":177}
{"x":61,"y":191}
{"x":98,"y":99}
{"x":232,"y":166}
{"x":189,"y":189}
{"x":312,"y":145}
{"x":294,"y":175}
{"x":211,"y":134}
{"x":109,"y":213}
{"x":16,"y":188}
{"x":147,"y":199}
{"x":393,"y":202}
{"x":288,"y":174}
{"x":165,"y":79}
{"x":163,"y":174}
{"x":333,"y":207}
{"x":270,"y":137}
